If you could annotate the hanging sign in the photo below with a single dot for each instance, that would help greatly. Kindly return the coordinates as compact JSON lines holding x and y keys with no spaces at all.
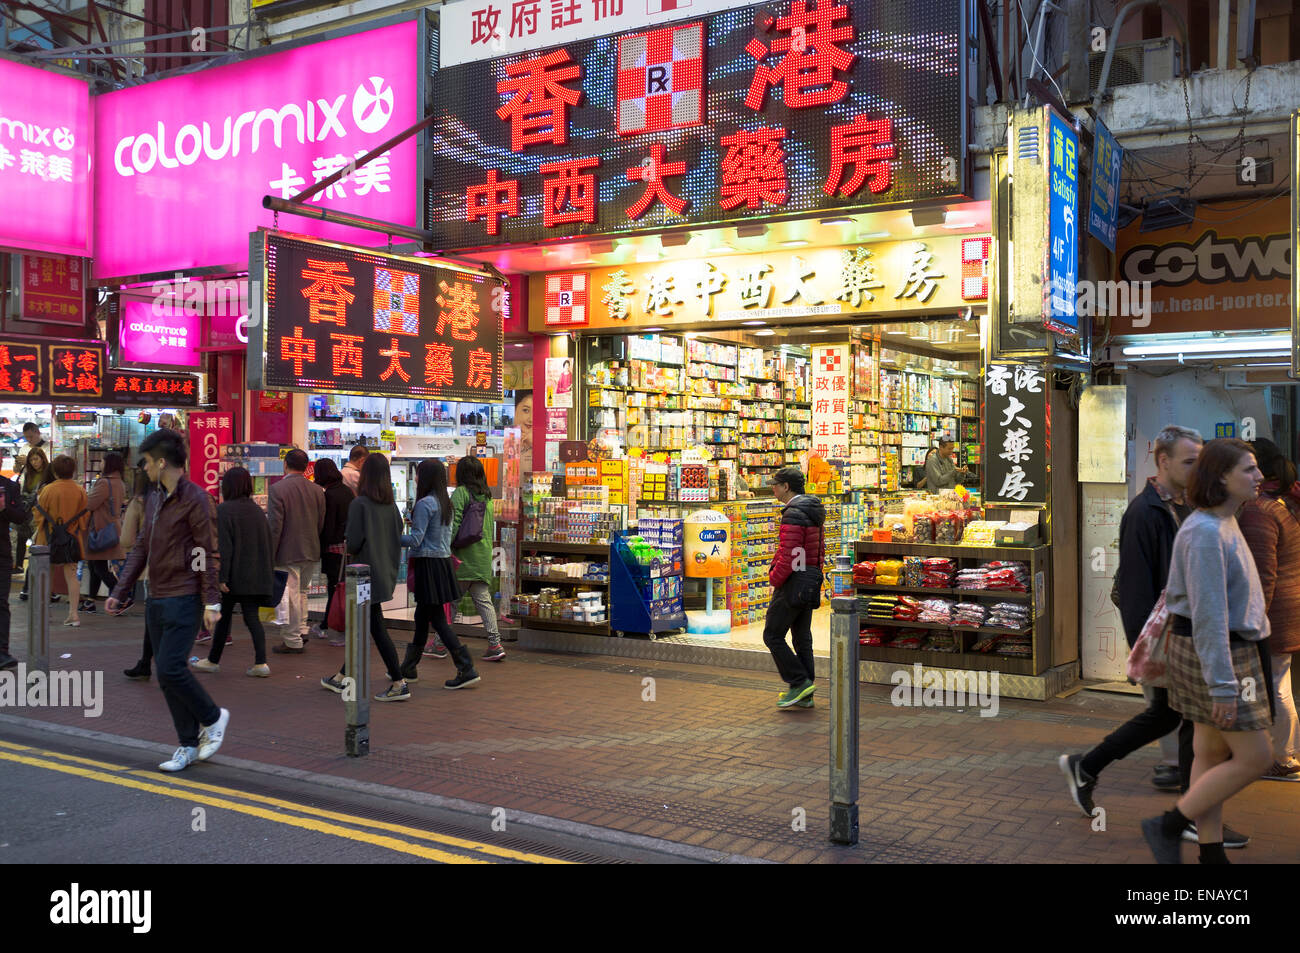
{"x":758,"y":113}
{"x":1103,"y":201}
{"x":1062,"y":225}
{"x":150,"y":389}
{"x":1017,"y":434}
{"x":209,"y":434}
{"x":340,"y":320}
{"x":830,"y":371}
{"x":53,"y":289}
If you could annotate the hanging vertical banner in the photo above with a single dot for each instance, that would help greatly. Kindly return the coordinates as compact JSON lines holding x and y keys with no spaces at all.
{"x":1062,"y":225}
{"x":53,"y":288}
{"x":1017,"y":434}
{"x":830,"y":401}
{"x":1103,"y":203}
{"x":209,"y":434}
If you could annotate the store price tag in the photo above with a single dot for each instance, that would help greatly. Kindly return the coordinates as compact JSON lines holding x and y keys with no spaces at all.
{"x":389,"y":436}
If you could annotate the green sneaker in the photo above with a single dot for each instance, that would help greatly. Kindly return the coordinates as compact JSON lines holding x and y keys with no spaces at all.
{"x":804,"y":702}
{"x":796,"y":695}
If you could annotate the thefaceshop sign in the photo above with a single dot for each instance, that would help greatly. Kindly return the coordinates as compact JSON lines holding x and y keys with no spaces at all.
{"x":44,"y":161}
{"x":182,"y":163}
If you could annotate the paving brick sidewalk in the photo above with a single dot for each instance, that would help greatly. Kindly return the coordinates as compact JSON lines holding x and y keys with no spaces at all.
{"x":709,"y":762}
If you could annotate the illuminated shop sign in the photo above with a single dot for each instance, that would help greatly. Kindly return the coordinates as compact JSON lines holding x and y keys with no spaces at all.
{"x":342,"y":320}
{"x":147,"y":389}
{"x":883,"y":278}
{"x":58,"y":371}
{"x":755,"y":113}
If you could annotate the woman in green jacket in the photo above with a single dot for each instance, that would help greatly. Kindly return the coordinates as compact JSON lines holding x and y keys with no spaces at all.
{"x":475,"y":570}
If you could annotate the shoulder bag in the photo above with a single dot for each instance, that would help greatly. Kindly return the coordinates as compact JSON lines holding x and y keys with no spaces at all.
{"x":100,"y":540}
{"x":1148,"y":663}
{"x":471,"y":524}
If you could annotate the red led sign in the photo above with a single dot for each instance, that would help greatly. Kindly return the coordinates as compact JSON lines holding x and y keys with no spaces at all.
{"x":342,"y":320}
{"x":149,"y":389}
{"x":812,"y":106}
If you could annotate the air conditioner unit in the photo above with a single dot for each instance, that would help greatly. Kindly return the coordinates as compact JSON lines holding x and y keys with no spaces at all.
{"x":1150,"y":61}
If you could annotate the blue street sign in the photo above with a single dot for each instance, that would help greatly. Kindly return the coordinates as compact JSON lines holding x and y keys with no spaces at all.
{"x":1063,"y":225}
{"x":1107,"y":161}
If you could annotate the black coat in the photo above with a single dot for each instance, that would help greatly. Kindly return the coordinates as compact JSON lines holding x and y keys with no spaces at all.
{"x":244,"y":538}
{"x":1146,"y":547}
{"x":13,"y":512}
{"x":337,"y":500}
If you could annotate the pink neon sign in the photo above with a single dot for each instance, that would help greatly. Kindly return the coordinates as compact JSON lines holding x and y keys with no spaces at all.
{"x":182,"y":163}
{"x":152,"y":334}
{"x":45,"y":137}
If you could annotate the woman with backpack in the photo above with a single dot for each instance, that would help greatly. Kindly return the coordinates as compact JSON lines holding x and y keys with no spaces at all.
{"x":34,"y":476}
{"x":373,"y":537}
{"x":472,"y":533}
{"x":107,"y":502}
{"x":432,"y":573}
{"x":60,"y":523}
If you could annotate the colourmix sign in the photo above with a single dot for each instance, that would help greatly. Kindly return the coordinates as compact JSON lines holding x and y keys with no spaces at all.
{"x":342,"y":320}
{"x":182,"y":163}
{"x":757,"y":113}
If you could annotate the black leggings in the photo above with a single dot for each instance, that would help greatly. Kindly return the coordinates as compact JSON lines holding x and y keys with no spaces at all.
{"x":426,"y":613}
{"x":379,"y":633}
{"x":100,"y":574}
{"x":332,"y":565}
{"x":250,"y":606}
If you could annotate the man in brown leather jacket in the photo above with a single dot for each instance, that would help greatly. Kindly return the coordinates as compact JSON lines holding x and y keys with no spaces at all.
{"x":178,"y":543}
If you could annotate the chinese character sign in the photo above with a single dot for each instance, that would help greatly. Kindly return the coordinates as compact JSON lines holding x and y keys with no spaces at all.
{"x":1063,"y":225}
{"x":209,"y":435}
{"x":154,"y":334}
{"x":76,"y":370}
{"x":1103,"y":205}
{"x":45,"y":143}
{"x":53,"y":289}
{"x":1017,"y":434}
{"x":760,"y":112}
{"x":829,"y":380}
{"x":342,"y":320}
{"x":146,"y":389}
{"x":22,"y":370}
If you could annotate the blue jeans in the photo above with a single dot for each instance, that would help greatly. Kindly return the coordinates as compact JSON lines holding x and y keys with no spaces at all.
{"x":172,"y":624}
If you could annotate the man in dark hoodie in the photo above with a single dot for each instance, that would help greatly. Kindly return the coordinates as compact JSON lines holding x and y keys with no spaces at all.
{"x":1146,"y":544}
{"x":796,"y":578}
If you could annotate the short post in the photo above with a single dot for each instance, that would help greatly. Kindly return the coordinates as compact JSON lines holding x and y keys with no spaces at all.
{"x":356,"y":669}
{"x":844,"y":720}
{"x":38,"y":609}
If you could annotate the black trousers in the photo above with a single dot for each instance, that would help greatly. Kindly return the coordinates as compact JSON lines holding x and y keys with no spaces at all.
{"x":6,"y":568}
{"x":100,"y":575}
{"x":427,"y":613}
{"x":173,"y":623}
{"x":331,"y":564}
{"x":383,"y":642}
{"x":795,"y":667}
{"x":1152,"y":724}
{"x":249,"y":606}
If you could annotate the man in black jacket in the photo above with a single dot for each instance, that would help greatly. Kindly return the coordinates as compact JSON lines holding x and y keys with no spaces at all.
{"x":1146,"y":545}
{"x":13,"y":511}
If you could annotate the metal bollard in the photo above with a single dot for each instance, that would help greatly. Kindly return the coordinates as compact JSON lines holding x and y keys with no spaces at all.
{"x":38,"y":609}
{"x":356,"y":697}
{"x":844,"y":720}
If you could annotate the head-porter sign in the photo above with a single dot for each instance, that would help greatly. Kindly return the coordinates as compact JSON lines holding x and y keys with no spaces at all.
{"x":755,"y":113}
{"x":342,"y":320}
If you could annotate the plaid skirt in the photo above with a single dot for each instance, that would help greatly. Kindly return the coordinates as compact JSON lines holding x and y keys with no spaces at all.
{"x":1190,"y":696}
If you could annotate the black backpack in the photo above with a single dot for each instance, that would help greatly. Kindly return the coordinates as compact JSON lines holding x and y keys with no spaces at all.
{"x":64,"y":547}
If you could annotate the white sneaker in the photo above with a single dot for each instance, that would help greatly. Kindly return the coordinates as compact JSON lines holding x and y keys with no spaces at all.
{"x":182,"y":759}
{"x":259,"y":671}
{"x":203,"y":665}
{"x":210,"y":738}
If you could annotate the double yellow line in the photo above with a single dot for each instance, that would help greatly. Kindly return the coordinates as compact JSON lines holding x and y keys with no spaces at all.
{"x":309,"y":818}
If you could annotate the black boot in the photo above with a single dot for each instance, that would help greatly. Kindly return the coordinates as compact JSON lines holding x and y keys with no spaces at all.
{"x":409,"y":671}
{"x":139,"y":672}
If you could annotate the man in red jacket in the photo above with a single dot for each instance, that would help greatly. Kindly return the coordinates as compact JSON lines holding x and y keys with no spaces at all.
{"x":796,"y":578}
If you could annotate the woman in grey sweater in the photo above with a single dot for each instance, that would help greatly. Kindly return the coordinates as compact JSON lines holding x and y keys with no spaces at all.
{"x":1218,"y":673}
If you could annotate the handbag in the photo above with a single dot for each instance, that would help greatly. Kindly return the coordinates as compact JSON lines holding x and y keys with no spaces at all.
{"x":1148,"y":662}
{"x":101,"y":540}
{"x":337,"y":619}
{"x":471,"y":524}
{"x":805,"y":590}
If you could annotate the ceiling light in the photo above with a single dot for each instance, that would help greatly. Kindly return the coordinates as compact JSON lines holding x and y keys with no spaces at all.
{"x":753,"y":322}
{"x":794,"y":243}
{"x":836,"y":221}
{"x":872,"y":235}
{"x":896,"y":332}
{"x":585,"y":261}
{"x":647,"y":330}
{"x":764,"y":334}
{"x":753,"y":230}
{"x":818,"y":330}
{"x":1269,"y":342}
{"x":719,"y":249}
{"x":919,"y":337}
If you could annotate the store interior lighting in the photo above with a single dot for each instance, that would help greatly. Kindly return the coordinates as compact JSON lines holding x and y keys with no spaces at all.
{"x":675,"y":239}
{"x":837,"y":221}
{"x":1266,"y":345}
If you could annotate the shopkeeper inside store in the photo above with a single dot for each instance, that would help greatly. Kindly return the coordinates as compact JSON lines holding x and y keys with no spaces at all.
{"x":940,"y":471}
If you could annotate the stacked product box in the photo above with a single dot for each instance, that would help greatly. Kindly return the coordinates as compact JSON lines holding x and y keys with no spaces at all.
{"x":655,"y":555}
{"x":667,"y":536}
{"x":833,"y":542}
{"x":553,"y":520}
{"x":754,"y":531}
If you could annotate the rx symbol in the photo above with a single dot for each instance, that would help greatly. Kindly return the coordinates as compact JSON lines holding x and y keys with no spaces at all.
{"x":658,"y":79}
{"x":566,"y":299}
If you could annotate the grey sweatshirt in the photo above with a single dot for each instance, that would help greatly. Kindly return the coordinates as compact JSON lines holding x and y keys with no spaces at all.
{"x":940,"y":474}
{"x":1213,"y":582}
